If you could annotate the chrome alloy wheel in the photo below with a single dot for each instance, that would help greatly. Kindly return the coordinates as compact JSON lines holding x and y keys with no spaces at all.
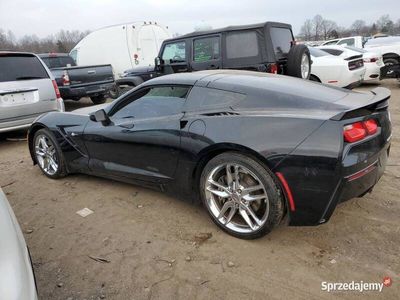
{"x":305,"y":66}
{"x":46,"y":155}
{"x":237,"y":198}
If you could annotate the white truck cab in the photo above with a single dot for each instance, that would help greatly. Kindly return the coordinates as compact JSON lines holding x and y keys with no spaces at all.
{"x":353,"y":41}
{"x":124,"y":46}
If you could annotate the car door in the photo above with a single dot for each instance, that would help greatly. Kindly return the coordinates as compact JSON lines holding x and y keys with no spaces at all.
{"x":175,"y":57}
{"x":206,"y":53}
{"x":142,"y":139}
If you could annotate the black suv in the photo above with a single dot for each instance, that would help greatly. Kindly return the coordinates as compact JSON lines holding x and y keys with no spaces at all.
{"x":266,"y":47}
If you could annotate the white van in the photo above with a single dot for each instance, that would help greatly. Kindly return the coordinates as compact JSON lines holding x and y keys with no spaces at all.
{"x":123,"y":46}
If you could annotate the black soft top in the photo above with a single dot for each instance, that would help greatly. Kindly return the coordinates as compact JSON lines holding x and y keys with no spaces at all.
{"x":231,"y":28}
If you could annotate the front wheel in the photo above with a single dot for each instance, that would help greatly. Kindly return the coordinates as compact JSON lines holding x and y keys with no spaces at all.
{"x":48,"y":154}
{"x":241,"y":196}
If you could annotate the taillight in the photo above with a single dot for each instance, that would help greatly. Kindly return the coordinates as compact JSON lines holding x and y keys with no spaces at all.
{"x":58,"y":95}
{"x":359,"y":130}
{"x":371,"y":126}
{"x":371,"y":60}
{"x":65,"y":78}
{"x":273,"y":68}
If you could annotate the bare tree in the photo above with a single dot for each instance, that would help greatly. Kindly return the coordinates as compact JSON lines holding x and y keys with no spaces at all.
{"x":358,"y":27}
{"x":327,"y":26}
{"x":317,"y":26}
{"x":306,"y":30}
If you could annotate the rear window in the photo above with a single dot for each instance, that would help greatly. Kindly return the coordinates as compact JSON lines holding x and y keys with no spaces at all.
{"x":58,"y":61}
{"x":335,"y":52}
{"x":21,"y":67}
{"x":317,"y":52}
{"x":282,"y":39}
{"x":241,"y":44}
{"x":202,"y":98}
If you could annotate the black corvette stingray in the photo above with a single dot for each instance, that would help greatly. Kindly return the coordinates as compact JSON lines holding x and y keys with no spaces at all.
{"x":252,"y":147}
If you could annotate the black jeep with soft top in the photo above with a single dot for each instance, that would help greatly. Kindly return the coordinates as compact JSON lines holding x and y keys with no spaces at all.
{"x":265,"y":47}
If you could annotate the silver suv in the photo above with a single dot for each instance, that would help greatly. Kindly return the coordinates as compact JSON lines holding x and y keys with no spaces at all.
{"x":27,"y":90}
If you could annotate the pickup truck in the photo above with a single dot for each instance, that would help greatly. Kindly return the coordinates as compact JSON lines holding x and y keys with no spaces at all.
{"x":388,"y":47}
{"x":75,"y":82}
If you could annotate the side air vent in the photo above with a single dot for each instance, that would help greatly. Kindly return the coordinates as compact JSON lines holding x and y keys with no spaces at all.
{"x":223,"y":113}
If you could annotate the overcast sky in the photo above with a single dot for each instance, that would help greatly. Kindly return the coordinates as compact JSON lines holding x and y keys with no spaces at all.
{"x":44,"y":17}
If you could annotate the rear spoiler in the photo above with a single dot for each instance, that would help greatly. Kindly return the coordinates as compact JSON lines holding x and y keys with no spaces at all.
{"x":362,"y":107}
{"x":353,"y":57}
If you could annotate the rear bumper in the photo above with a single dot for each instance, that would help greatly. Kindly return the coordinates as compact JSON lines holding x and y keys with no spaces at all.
{"x":358,"y":183}
{"x":71,"y":92}
{"x":16,"y":118}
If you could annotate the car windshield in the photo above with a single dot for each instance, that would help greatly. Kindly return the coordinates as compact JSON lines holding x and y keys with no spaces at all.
{"x":58,"y":61}
{"x":317,"y":52}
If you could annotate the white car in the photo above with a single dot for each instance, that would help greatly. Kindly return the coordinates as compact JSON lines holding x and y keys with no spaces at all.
{"x":336,"y":71}
{"x":388,"y":47}
{"x":27,"y":90}
{"x":17,"y":280}
{"x":373,"y":62}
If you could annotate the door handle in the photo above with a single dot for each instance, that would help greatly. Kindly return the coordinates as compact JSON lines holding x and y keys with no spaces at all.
{"x":127,"y":125}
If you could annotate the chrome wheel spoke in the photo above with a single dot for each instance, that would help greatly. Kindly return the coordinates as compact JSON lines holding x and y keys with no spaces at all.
{"x":232,"y":212}
{"x":218,"y":185}
{"x":225,"y":207}
{"x":254,"y":197}
{"x":229,"y":177}
{"x":246,"y":218}
{"x":253,"y":215}
{"x":39,"y":151}
{"x":251,"y":189}
{"x":222,"y":194}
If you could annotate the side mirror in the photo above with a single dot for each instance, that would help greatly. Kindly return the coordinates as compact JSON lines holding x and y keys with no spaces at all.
{"x":157,"y":63}
{"x":100,"y":116}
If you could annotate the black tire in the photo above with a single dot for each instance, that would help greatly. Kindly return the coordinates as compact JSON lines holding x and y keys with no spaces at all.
{"x":275,"y":198}
{"x":98,"y":99}
{"x":391,"y":61}
{"x":62,"y":170}
{"x":114,"y":92}
{"x":294,"y":63}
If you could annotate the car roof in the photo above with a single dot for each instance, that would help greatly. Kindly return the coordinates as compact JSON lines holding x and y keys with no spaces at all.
{"x":230,"y":28}
{"x":7,"y":52}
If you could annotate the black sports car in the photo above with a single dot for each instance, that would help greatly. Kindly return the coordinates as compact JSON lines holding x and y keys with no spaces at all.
{"x":253,"y":147}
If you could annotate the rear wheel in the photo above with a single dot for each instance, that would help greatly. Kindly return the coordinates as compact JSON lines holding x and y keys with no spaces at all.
{"x":241,"y":196}
{"x":48,"y":154}
{"x":98,"y":99}
{"x":299,"y":62}
{"x":390,"y":61}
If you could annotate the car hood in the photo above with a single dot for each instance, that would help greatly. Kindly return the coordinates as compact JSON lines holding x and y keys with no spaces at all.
{"x":90,"y":109}
{"x":138,"y":70}
{"x":16,"y":276}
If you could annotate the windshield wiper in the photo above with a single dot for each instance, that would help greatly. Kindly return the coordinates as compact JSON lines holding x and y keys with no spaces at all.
{"x":29,"y":77}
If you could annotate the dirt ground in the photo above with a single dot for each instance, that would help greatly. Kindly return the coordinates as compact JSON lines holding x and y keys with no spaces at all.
{"x":150,"y":246}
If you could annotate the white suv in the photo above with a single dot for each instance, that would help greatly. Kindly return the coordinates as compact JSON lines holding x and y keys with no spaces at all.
{"x":27,"y":90}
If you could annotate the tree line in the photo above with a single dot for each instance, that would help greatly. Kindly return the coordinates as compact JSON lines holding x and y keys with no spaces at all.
{"x":318,"y":28}
{"x":63,"y":41}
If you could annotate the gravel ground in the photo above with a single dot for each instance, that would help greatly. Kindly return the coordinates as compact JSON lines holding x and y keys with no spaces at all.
{"x":141,"y":244}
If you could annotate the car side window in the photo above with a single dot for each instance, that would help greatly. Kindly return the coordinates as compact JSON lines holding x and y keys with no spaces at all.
{"x":334,"y":42}
{"x":202,"y":98}
{"x":174,"y":52}
{"x":349,"y":42}
{"x":206,"y":49}
{"x":152,"y":103}
{"x":241,"y":44}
